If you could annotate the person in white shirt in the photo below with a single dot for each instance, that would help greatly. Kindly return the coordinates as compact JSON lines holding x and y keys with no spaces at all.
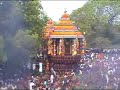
{"x":51,"y":78}
{"x":31,"y":84}
{"x":40,"y":67}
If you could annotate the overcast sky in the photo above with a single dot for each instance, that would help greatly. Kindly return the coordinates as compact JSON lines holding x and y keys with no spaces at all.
{"x":55,"y":9}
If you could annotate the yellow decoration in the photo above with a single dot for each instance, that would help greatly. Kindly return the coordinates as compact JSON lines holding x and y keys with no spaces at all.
{"x":65,"y":27}
{"x":65,"y":22}
{"x":50,"y":47}
{"x":74,"y":52}
{"x":60,"y":53}
{"x":66,"y":33}
{"x":61,"y":47}
{"x":49,"y":52}
{"x":83,"y":52}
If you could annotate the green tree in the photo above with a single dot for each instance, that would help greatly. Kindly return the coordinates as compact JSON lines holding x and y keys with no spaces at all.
{"x":102,"y":42}
{"x":35,"y":18}
{"x":98,"y":19}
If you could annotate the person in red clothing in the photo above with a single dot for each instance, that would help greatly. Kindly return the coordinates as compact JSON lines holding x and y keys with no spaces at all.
{"x":100,"y":56}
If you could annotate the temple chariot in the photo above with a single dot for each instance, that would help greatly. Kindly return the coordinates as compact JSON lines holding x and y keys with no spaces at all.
{"x":65,"y":44}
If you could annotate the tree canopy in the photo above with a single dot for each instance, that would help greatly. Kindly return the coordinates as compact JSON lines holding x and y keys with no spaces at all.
{"x":34,"y":16}
{"x":21,"y":25}
{"x":99,"y":19}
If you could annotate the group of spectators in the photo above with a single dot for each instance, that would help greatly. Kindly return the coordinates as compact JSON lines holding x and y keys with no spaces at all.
{"x":63,"y":81}
{"x":101,"y":53}
{"x":101,"y":70}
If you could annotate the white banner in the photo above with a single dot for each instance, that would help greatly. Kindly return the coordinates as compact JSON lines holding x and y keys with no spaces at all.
{"x":40,"y":67}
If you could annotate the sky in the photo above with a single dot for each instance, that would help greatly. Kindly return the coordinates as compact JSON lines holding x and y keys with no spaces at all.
{"x":55,"y":9}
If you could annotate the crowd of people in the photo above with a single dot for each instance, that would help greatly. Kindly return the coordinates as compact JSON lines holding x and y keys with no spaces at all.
{"x":63,"y":81}
{"x":101,"y":70}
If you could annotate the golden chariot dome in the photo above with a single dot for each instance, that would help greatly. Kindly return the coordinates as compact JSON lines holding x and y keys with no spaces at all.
{"x":64,"y":28}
